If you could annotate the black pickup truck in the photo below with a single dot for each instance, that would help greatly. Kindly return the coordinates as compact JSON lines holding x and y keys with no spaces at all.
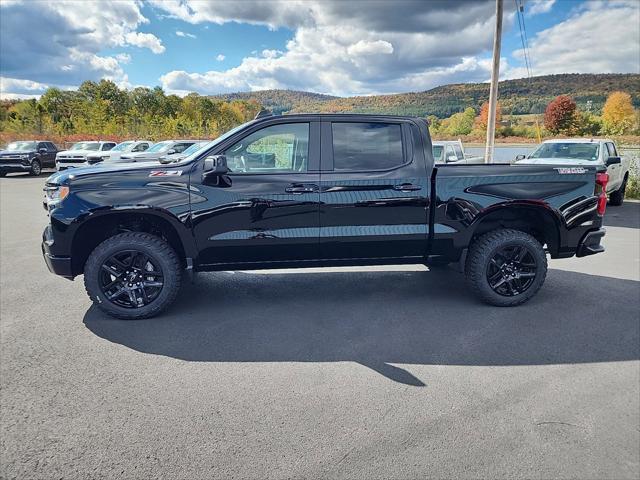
{"x":316,"y":190}
{"x":27,"y":156}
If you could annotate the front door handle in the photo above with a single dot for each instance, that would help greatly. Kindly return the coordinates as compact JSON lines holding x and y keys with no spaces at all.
{"x":407,"y":187}
{"x":298,"y":189}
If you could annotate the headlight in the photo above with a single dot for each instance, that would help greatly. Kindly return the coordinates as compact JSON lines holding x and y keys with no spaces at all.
{"x":55,"y":193}
{"x":24,"y":157}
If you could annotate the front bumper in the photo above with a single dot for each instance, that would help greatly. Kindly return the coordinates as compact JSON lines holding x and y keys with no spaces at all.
{"x":56,"y":264}
{"x":14,"y":167}
{"x":590,"y":243}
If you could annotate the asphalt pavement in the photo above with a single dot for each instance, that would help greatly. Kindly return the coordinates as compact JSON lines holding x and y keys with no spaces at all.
{"x":386,"y":372}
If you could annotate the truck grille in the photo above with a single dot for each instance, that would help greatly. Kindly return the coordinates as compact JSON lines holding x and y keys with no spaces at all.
{"x":74,"y":159}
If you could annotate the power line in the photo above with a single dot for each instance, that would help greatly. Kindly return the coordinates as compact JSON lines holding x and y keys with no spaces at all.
{"x":525,"y":50}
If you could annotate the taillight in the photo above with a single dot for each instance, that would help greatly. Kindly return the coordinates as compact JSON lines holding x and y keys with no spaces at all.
{"x":602,"y":179}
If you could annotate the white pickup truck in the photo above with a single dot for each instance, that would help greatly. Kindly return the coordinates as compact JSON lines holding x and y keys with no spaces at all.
{"x":580,"y":151}
{"x":452,"y":151}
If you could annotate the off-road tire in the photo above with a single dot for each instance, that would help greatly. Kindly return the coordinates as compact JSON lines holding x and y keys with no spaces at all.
{"x":617,"y":197}
{"x":151,"y":245}
{"x":482,"y":251}
{"x":36,"y":168}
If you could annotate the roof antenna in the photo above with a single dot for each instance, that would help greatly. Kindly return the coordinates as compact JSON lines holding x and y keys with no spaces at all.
{"x":263,"y":113}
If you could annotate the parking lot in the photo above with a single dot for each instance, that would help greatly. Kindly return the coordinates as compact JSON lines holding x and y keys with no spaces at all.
{"x":386,"y":372}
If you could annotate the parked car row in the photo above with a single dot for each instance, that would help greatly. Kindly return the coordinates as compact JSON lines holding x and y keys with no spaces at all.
{"x":31,"y":156}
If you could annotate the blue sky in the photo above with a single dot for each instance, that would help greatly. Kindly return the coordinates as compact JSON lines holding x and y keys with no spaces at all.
{"x":341,"y":48}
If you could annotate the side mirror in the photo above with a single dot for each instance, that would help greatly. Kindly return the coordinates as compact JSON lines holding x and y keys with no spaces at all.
{"x":613,"y":161}
{"x":171,"y":151}
{"x":452,"y":158}
{"x":522,"y":156}
{"x":215,"y":165}
{"x":42,"y":150}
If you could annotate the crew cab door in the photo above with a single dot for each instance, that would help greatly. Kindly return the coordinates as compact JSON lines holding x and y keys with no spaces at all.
{"x":374,"y":191}
{"x":266,"y":208}
{"x":48,"y":158}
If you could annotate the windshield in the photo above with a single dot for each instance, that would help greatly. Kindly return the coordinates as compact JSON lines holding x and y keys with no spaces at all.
{"x":85,"y":146}
{"x":121,"y":147}
{"x":194,"y":148}
{"x":23,"y":146}
{"x":158,"y":147}
{"x":437,"y":152}
{"x":577,"y":151}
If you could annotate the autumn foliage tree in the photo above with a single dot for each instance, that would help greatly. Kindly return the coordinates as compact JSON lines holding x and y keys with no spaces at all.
{"x":482,"y":120}
{"x":618,"y":114}
{"x":560,"y":115}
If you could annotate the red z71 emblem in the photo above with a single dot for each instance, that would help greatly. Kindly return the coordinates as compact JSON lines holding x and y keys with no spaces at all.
{"x":165,"y":173}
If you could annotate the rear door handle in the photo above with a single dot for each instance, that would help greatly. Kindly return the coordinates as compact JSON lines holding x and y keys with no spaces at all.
{"x":407,"y":187}
{"x":298,"y":189}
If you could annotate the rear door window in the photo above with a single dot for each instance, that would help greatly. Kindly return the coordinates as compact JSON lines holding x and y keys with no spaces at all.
{"x":612,"y":149}
{"x":367,"y":146}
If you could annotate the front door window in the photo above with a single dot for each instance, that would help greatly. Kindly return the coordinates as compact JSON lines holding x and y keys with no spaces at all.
{"x":280,"y":148}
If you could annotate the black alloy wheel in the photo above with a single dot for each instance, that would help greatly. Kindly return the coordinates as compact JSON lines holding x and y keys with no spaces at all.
{"x":131,"y":279}
{"x":506,"y":267}
{"x":511,"y":270}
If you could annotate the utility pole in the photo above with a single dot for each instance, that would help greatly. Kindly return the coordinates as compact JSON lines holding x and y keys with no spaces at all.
{"x":493,"y":92}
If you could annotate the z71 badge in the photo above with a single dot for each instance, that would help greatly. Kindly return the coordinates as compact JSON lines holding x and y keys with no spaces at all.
{"x":570,"y":170}
{"x":165,"y":173}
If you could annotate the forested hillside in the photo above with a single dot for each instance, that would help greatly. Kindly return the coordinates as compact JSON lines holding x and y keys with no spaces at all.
{"x":517,"y":97}
{"x":279,"y":101}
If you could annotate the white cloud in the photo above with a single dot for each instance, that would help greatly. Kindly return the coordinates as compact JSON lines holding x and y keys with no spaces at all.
{"x":145,"y":40}
{"x":180,"y":33}
{"x":536,"y":7}
{"x":220,"y":57}
{"x":602,"y":37}
{"x":63,"y":40}
{"x":347,"y":47}
{"x":370,"y":48}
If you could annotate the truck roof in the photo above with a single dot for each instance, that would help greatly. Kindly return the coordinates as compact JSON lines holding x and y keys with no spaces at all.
{"x":578,"y":140}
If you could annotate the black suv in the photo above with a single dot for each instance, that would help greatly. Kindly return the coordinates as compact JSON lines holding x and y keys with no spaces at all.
{"x":28,"y":156}
{"x":316,"y":190}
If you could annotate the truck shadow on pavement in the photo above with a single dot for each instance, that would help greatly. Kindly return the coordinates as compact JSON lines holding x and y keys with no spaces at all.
{"x":379,"y":319}
{"x":626,"y":215}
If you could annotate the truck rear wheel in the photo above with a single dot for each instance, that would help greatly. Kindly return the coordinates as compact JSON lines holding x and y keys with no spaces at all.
{"x":617,"y":197}
{"x":133,"y":275}
{"x":506,"y":267}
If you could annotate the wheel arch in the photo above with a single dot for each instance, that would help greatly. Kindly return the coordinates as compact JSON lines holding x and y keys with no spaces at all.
{"x":99,"y":226}
{"x":536,"y":219}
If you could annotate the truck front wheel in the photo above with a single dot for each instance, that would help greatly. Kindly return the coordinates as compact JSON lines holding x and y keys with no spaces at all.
{"x":506,"y":267}
{"x":133,"y":275}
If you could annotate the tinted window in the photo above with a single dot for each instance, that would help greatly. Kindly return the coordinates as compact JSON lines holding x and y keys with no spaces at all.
{"x":366,"y":146}
{"x":108,"y":146}
{"x":51,"y":147}
{"x":274,"y":149}
{"x":42,"y":145}
{"x":438,"y":150}
{"x":612,"y":150}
